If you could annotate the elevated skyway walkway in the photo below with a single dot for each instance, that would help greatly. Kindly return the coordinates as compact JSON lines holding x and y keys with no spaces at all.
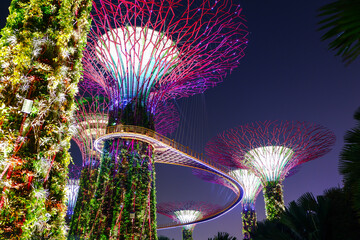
{"x":167,"y":151}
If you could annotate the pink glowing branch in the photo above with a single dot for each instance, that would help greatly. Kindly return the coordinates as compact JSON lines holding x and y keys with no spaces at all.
{"x":199,"y":210}
{"x":91,"y":119}
{"x":213,"y":178}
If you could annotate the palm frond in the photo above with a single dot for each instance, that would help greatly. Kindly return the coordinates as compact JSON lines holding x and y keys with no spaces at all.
{"x":342,"y":22}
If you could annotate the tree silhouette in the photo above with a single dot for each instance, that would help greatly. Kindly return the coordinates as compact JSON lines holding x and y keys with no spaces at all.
{"x":222,"y":236}
{"x":342,"y":21}
{"x":323,"y":217}
{"x":349,"y":165}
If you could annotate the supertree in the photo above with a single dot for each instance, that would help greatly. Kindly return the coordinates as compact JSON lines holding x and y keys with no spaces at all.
{"x":271,"y":149}
{"x":72,"y":190}
{"x":186,"y":212}
{"x":251,"y":185}
{"x":145,"y":53}
{"x":91,"y":120}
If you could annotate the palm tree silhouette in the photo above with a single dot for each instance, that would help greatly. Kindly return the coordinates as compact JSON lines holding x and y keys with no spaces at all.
{"x":349,"y":165}
{"x":223,"y":236}
{"x":342,"y":22}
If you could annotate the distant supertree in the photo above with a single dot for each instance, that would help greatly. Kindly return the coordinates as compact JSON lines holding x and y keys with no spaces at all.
{"x":72,"y":190}
{"x":271,"y":149}
{"x":91,"y":120}
{"x":251,"y":185}
{"x":186,"y":212}
{"x":145,"y":53}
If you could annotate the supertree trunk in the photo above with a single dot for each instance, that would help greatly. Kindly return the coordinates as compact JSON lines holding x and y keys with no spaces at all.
{"x":187,"y":233}
{"x":124,"y":205}
{"x":87,"y":185}
{"x":41,"y":51}
{"x":248,"y":219}
{"x":274,"y":201}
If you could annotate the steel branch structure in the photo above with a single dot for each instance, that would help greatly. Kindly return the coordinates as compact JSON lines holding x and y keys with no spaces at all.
{"x":213,"y":178}
{"x":187,"y":212}
{"x":271,"y":149}
{"x":144,"y":53}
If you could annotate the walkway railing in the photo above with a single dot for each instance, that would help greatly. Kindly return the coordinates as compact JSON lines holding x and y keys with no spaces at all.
{"x":167,"y":141}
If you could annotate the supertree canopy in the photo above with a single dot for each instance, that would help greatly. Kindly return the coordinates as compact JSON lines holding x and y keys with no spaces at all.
{"x":72,"y":189}
{"x":271,"y":149}
{"x":145,"y":53}
{"x":186,"y":212}
{"x":251,"y":185}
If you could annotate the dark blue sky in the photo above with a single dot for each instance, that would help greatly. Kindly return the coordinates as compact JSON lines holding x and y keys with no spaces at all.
{"x":287,"y":74}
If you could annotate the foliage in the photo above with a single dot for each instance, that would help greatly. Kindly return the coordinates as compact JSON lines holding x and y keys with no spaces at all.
{"x":163,"y":238}
{"x":222,"y":236}
{"x":342,"y":21}
{"x":40,"y":58}
{"x":324,"y":217}
{"x":248,"y":219}
{"x":274,"y":200}
{"x":349,"y":165}
{"x":187,"y":233}
{"x":122,"y":207}
{"x":87,"y":188}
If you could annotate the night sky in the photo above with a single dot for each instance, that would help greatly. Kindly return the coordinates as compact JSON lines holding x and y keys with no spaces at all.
{"x":287,"y":74}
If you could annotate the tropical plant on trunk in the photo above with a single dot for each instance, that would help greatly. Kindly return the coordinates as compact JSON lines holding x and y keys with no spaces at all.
{"x":40,"y":55}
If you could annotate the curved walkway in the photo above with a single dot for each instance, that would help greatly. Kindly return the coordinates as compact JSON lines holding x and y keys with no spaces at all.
{"x":168,"y":151}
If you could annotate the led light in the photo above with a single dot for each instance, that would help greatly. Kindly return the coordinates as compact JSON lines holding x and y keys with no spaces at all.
{"x":269,"y":161}
{"x":186,"y":216}
{"x":141,"y":55}
{"x":27,"y":106}
{"x":72,"y":190}
{"x":250,"y":183}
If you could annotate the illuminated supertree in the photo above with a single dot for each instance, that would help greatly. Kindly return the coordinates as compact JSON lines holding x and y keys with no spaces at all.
{"x":145,"y":53}
{"x":271,"y":149}
{"x":251,"y":186}
{"x":186,"y":212}
{"x":91,"y":119}
{"x":72,"y":190}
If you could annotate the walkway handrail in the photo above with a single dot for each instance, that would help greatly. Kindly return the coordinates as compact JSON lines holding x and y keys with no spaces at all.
{"x":167,"y":141}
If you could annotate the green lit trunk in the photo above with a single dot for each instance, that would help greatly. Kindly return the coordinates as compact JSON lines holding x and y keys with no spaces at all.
{"x":274,"y":200}
{"x":248,"y":219}
{"x":187,"y":233}
{"x":86,"y":193}
{"x":40,"y":53}
{"x":124,"y":204}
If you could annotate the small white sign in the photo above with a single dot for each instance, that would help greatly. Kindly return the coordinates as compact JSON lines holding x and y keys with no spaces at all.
{"x":27,"y":106}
